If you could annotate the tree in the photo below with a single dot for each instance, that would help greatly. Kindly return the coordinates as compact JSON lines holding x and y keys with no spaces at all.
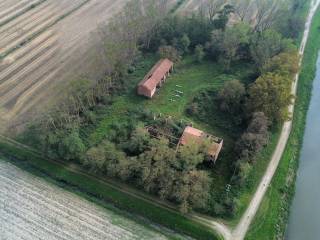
{"x":212,"y":7}
{"x":231,"y":97}
{"x":243,"y":9}
{"x":115,"y":158}
{"x":222,"y":20}
{"x":264,"y":46}
{"x":185,"y":43}
{"x":199,"y":53}
{"x":286,"y":63}
{"x":267,"y":12}
{"x":156,"y":173}
{"x":271,"y":94}
{"x":72,"y":147}
{"x":215,"y":45}
{"x":95,"y":159}
{"x":233,"y":38}
{"x":191,"y":190}
{"x":199,"y":188}
{"x":259,"y":124}
{"x":254,"y":139}
{"x":170,"y":53}
{"x":190,"y":155}
{"x":138,"y":141}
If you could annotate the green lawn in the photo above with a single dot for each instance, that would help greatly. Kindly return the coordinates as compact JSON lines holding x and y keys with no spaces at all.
{"x":272,"y":217}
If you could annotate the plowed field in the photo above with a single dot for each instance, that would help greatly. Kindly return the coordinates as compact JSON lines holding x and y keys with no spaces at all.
{"x":39,"y":40}
{"x":32,"y":209}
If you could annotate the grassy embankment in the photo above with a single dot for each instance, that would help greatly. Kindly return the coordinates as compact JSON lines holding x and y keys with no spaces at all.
{"x":101,"y":192}
{"x":274,"y":212}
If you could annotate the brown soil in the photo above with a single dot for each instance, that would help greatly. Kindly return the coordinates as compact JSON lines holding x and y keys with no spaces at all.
{"x":43,"y":43}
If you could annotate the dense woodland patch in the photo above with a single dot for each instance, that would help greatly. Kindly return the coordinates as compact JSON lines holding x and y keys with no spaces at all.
{"x":235,"y":78}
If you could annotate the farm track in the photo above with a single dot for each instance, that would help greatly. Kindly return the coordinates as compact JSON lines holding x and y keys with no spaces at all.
{"x":31,"y":208}
{"x":41,"y":42}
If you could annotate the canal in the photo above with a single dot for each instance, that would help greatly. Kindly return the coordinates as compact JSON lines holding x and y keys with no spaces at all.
{"x":304,"y":223}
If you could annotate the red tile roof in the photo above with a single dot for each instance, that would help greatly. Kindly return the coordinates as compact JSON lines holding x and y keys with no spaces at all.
{"x":193,"y":135}
{"x":153,"y":78}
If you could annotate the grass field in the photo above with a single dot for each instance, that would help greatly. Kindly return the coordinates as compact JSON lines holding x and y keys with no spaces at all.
{"x":273,"y":214}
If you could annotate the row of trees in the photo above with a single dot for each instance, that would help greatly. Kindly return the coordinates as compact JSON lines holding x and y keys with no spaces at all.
{"x":261,"y":14}
{"x":262,"y":104}
{"x":227,"y":43}
{"x":158,"y":169}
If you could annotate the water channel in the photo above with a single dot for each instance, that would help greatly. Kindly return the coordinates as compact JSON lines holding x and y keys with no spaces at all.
{"x":304,"y":223}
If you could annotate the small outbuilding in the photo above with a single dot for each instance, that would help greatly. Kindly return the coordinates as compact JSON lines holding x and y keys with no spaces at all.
{"x":155,"y":78}
{"x":191,"y":134}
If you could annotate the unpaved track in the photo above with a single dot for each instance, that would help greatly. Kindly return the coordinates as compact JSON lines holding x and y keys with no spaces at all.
{"x":40,"y":46}
{"x":33,"y":209}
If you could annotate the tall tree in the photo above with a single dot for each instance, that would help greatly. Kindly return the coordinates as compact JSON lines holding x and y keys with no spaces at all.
{"x":233,"y":38}
{"x":264,"y":46}
{"x":212,"y":7}
{"x":243,"y":9}
{"x":191,"y":190}
{"x":231,"y":97}
{"x":286,"y":63}
{"x":199,"y":53}
{"x":170,"y":53}
{"x":271,"y":94}
{"x":185,"y":43}
{"x":255,"y":137}
{"x":72,"y":147}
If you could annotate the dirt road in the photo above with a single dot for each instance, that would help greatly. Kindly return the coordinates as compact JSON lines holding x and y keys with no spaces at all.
{"x":41,"y":42}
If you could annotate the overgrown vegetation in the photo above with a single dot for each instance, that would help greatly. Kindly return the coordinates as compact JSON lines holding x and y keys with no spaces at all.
{"x":233,"y":76}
